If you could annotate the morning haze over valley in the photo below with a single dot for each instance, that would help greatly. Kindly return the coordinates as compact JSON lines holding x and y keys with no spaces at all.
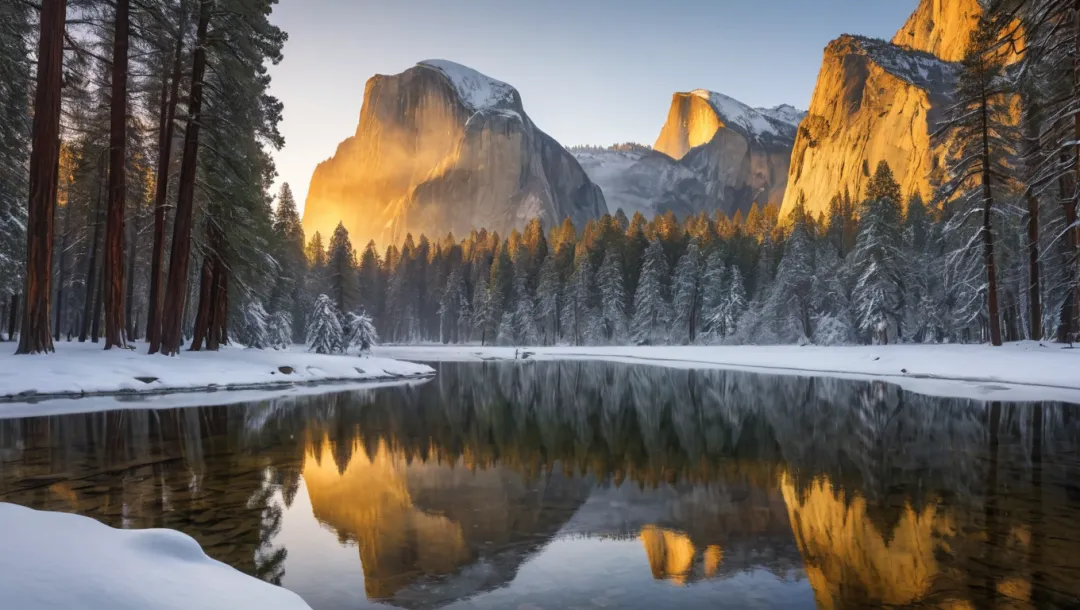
{"x":529,"y":305}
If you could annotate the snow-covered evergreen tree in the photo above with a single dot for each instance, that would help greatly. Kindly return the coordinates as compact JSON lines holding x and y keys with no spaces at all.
{"x":255,"y":325}
{"x":324,"y":333}
{"x":734,"y":305}
{"x":789,"y":308}
{"x":523,"y":322}
{"x":714,"y":291}
{"x":359,"y":332}
{"x":280,"y":331}
{"x":484,"y":312}
{"x":548,"y":296}
{"x":649,"y":325}
{"x":454,"y":315}
{"x":611,"y":317}
{"x":576,"y":310}
{"x":686,"y":303}
{"x":877,"y":263}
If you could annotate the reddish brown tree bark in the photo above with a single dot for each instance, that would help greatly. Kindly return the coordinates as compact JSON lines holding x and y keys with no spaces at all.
{"x":44,"y":159}
{"x":202,"y":315}
{"x":114,"y":222}
{"x":170,"y":92}
{"x":91,"y":259}
{"x":180,"y":259}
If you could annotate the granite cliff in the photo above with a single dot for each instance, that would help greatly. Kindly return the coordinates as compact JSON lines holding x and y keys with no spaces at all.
{"x":439,"y":148}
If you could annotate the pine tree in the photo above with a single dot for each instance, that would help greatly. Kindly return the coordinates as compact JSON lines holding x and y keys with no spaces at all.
{"x":341,"y":270}
{"x":612,"y":311}
{"x":485,"y":317}
{"x":980,"y":128}
{"x":548,"y":299}
{"x":324,"y":332}
{"x":649,"y":325}
{"x":523,"y":319}
{"x":735,"y":305}
{"x":714,"y":296}
{"x":687,"y":298}
{"x":289,"y":293}
{"x":280,"y":331}
{"x":577,"y":311}
{"x":359,"y":332}
{"x":453,"y":309}
{"x":790,"y":304}
{"x":876,"y":263}
{"x":256,"y":326}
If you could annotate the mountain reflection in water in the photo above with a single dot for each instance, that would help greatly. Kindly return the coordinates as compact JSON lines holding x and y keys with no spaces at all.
{"x":588,"y":485}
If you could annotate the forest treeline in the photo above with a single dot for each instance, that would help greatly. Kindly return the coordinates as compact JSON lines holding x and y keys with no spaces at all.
{"x":135,"y":175}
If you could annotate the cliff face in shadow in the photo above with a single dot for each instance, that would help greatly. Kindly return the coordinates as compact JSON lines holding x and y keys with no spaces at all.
{"x":442,"y":148}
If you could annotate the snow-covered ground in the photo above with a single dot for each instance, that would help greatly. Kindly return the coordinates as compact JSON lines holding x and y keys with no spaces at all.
{"x":85,"y":369}
{"x":1015,"y":372}
{"x":57,"y":560}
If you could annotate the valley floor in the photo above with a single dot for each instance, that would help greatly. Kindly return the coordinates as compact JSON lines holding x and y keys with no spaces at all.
{"x":1015,"y":372}
{"x":85,"y":369}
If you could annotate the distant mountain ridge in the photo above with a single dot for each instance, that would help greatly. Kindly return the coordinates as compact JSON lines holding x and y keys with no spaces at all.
{"x":713,"y":153}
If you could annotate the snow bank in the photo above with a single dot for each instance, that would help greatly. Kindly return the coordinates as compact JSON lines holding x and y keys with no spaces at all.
{"x":82,"y":369}
{"x":58,"y":560}
{"x":1015,"y":372}
{"x":477,"y":91}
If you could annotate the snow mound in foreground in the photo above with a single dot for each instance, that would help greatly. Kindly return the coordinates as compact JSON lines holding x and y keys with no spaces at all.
{"x":477,"y":91}
{"x":57,"y":560}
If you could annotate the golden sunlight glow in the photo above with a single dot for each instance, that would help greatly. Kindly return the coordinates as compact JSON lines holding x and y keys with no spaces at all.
{"x":843,"y":551}
{"x":670,"y":553}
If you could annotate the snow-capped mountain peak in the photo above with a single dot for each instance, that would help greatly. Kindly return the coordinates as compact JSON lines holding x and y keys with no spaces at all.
{"x":476,"y":90}
{"x":779,"y":122}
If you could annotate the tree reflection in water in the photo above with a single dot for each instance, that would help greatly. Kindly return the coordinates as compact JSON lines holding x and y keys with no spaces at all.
{"x":874,"y":495}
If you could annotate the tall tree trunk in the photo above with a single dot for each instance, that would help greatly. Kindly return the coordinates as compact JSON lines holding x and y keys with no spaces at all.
{"x":133,"y":246}
{"x":202,"y":315}
{"x":13,"y":315}
{"x":99,"y":298}
{"x":60,"y":271}
{"x":1075,"y":323}
{"x":91,"y":260}
{"x":1034,"y":278}
{"x":114,"y":224}
{"x":166,"y":132}
{"x":44,"y":169}
{"x":180,"y":258}
{"x":987,"y":232}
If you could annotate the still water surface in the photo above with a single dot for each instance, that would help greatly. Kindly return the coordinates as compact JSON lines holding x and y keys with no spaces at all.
{"x":592,"y":485}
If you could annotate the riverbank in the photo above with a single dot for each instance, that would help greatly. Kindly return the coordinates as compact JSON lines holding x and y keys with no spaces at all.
{"x":78,"y":370}
{"x":1015,"y":372}
{"x":57,"y":560}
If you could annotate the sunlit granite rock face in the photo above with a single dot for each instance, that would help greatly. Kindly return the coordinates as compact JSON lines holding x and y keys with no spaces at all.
{"x":878,"y":101}
{"x":874,"y":101}
{"x":940,"y":27}
{"x":441,"y":148}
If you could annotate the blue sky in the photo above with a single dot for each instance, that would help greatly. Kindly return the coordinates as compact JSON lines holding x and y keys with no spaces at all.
{"x":589,"y":71}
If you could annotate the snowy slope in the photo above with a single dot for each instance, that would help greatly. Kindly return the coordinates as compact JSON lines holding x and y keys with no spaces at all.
{"x":57,"y":560}
{"x":477,"y":91}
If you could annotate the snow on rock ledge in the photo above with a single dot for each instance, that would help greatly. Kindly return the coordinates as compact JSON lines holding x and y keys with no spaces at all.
{"x":58,"y":560}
